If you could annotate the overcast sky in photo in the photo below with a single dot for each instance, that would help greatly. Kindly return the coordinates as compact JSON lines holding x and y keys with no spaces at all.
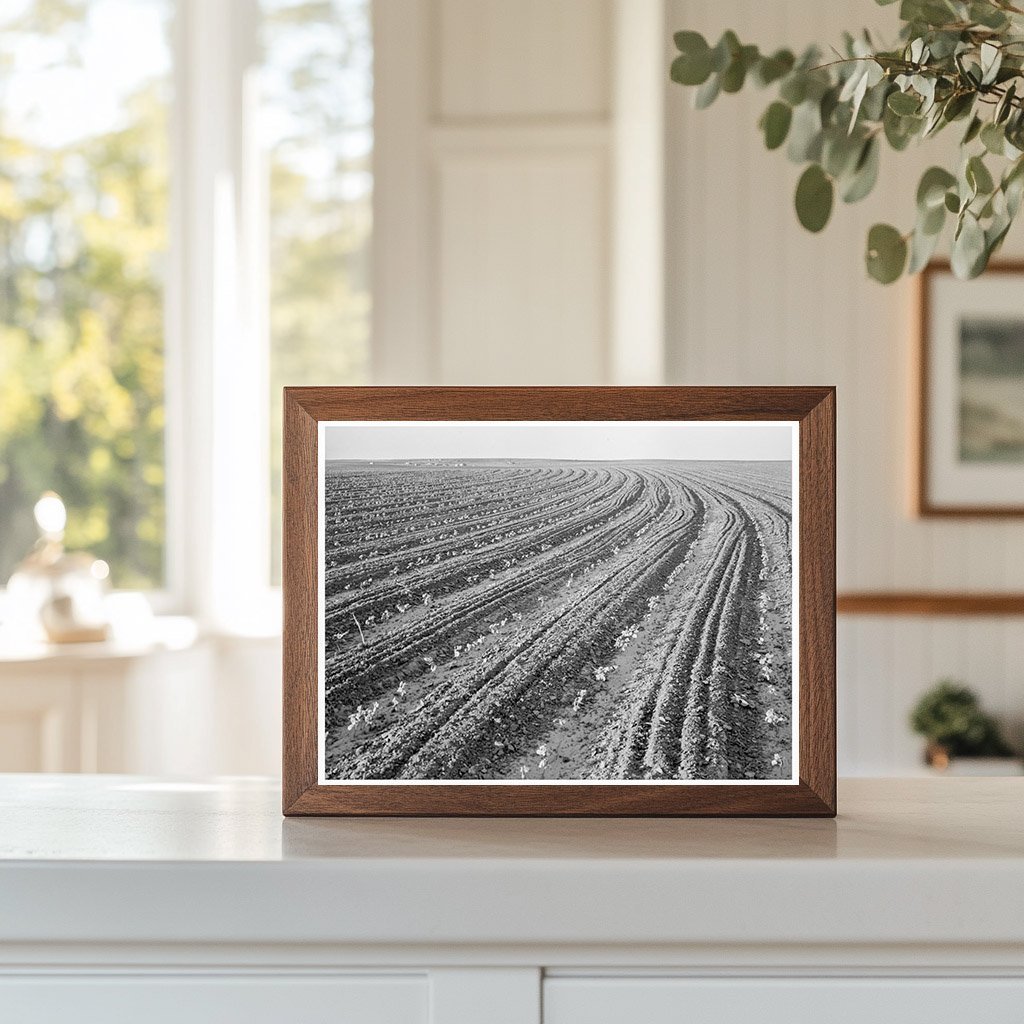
{"x":589,"y":440}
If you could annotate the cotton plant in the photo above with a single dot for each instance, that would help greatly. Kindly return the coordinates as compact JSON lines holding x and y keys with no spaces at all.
{"x":957,"y":63}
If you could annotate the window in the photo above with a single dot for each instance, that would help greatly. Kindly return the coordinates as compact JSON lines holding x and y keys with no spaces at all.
{"x":83,"y":235}
{"x":185,"y":222}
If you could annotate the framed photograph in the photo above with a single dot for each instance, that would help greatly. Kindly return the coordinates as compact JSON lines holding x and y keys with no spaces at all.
{"x":559,"y":601}
{"x":970,"y":445}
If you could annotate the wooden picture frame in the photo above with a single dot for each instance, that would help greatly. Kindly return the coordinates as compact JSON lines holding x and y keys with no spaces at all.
{"x":310,"y":412}
{"x":931,"y":472}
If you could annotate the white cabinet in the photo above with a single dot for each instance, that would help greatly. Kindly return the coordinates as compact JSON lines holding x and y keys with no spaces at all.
{"x":216,"y":1000}
{"x":171,"y":704}
{"x":624,"y":1000}
{"x":98,"y":707}
{"x":127,"y":899}
{"x":480,"y":996}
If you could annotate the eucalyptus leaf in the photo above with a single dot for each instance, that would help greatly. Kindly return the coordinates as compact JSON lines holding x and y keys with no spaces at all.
{"x":991,"y":60}
{"x":922,"y":248}
{"x":1013,"y":187}
{"x":724,"y":51}
{"x":944,"y":44}
{"x":775,"y":124}
{"x":968,"y":248}
{"x":973,"y":130}
{"x":867,"y":74}
{"x":931,"y":190}
{"x":993,"y":138}
{"x":1005,"y":105}
{"x":771,"y":69}
{"x":875,"y":98}
{"x":735,"y":74}
{"x":904,"y":103}
{"x":932,"y":220}
{"x":957,"y":106}
{"x":707,"y":93}
{"x":691,"y":70}
{"x":966,"y":187}
{"x":865,"y":173}
{"x":828,"y":106}
{"x":886,"y":253}
{"x":929,"y":12}
{"x":987,"y":15}
{"x":840,"y":152}
{"x":900,"y":130}
{"x":814,"y":195}
{"x":690,"y":42}
{"x":794,"y":88}
{"x":925,"y":87}
{"x":1014,"y":193}
{"x":805,"y":133}
{"x":933,"y":122}
{"x":978,"y":176}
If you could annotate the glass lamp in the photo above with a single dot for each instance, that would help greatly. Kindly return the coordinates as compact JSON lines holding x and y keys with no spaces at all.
{"x":56,"y":595}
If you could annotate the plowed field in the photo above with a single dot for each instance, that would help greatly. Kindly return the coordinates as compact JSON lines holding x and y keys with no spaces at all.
{"x":558,"y":620}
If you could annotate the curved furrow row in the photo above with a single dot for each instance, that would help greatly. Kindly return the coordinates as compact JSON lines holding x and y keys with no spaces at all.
{"x":458,"y":721}
{"x":683,"y":716}
{"x":700,"y":740}
{"x":468,"y":515}
{"x":466,"y":609}
{"x":583,"y":539}
{"x":645,"y":739}
{"x":480,"y":554}
{"x":577,"y":638}
{"x":776,"y":507}
{"x":373,"y":496}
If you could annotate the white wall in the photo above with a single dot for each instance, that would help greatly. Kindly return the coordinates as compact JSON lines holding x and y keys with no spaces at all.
{"x":754,"y":299}
{"x":518,"y":240}
{"x":505,"y":131}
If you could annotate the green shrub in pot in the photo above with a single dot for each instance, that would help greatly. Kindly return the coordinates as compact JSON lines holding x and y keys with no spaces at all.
{"x":950,"y":717}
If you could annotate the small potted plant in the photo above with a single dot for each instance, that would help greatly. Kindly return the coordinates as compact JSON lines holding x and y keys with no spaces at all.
{"x":950,"y":718}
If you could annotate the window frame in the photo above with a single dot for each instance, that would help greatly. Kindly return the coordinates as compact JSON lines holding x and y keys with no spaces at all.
{"x":217,"y":440}
{"x":216,"y":329}
{"x":170,"y":598}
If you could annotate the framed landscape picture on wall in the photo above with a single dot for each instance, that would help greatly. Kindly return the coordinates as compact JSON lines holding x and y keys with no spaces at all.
{"x":970,"y":445}
{"x":559,"y":601}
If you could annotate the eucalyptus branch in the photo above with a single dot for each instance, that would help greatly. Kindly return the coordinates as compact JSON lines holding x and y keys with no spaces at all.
{"x":955,"y":61}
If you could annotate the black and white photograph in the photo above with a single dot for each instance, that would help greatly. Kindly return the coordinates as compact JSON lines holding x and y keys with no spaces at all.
{"x":558,"y":602}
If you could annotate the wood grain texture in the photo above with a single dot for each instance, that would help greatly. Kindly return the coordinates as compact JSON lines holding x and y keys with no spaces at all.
{"x":299,"y":598}
{"x":925,"y":603}
{"x":558,"y":403}
{"x":812,"y":407}
{"x":817,"y":573}
{"x":923,"y":503}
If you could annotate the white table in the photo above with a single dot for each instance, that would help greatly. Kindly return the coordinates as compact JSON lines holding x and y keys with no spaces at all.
{"x":125,"y":898}
{"x":84,"y":707}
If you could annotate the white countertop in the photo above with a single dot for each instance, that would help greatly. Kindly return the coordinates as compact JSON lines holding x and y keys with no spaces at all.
{"x":122,"y":859}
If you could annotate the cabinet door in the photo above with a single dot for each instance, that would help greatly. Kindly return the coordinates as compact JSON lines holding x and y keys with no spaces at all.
{"x":783,"y":1001}
{"x":202,"y":999}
